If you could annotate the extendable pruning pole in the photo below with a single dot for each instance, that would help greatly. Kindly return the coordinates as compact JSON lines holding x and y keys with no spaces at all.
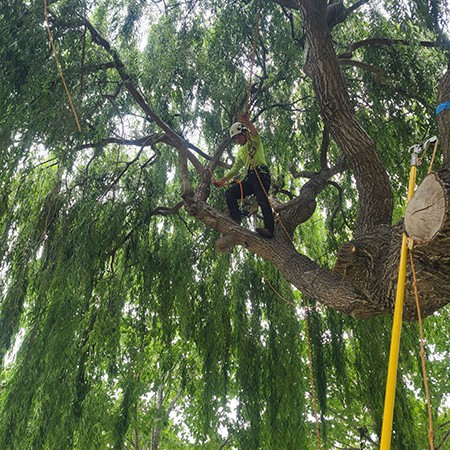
{"x":386,"y":431}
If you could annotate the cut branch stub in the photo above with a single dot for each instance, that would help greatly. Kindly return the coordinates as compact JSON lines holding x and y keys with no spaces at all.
{"x":426,"y":211}
{"x":427,"y":222}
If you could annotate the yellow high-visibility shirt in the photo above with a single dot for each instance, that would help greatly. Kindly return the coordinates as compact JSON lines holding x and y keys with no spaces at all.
{"x":244,"y":158}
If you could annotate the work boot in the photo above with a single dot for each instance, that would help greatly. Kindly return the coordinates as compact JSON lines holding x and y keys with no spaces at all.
{"x":264,"y":232}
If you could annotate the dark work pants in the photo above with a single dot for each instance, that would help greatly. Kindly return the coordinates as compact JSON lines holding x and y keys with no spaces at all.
{"x":251,"y":185}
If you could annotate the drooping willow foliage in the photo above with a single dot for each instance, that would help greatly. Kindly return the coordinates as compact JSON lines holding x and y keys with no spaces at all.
{"x":122,"y":327}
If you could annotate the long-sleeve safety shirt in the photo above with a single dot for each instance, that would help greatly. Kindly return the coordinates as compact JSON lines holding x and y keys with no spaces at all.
{"x":250,"y":155}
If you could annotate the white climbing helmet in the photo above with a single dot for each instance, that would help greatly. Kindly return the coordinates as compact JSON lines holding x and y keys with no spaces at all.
{"x":237,"y":128}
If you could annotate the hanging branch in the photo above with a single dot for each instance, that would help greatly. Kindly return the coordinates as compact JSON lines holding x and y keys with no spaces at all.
{"x":145,"y":141}
{"x":122,"y":173}
{"x":382,"y":42}
{"x":173,"y":138}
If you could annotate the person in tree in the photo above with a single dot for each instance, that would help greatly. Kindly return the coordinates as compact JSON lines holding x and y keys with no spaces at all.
{"x":251,"y":156}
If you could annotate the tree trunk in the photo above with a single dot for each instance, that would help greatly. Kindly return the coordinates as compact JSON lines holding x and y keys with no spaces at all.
{"x":363,"y":281}
{"x":322,"y":65}
{"x":443,"y":118}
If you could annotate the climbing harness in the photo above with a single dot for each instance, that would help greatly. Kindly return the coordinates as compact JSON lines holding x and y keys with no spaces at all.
{"x":386,"y":432}
{"x":246,"y":202}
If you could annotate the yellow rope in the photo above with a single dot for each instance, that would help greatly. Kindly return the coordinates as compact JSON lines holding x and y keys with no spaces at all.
{"x":58,"y":65}
{"x":277,"y":293}
{"x":311,"y":379}
{"x":422,"y":157}
{"x":242,"y":191}
{"x":434,"y":155}
{"x":422,"y":349}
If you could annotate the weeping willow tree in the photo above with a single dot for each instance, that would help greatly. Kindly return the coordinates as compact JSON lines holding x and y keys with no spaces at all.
{"x":123,"y":324}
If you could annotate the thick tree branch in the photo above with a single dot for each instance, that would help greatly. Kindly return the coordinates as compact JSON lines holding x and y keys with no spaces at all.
{"x":300,"y":209}
{"x":307,"y":276}
{"x":369,"y":67}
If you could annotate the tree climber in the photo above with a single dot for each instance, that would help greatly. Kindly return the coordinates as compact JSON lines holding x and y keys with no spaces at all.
{"x":251,"y":156}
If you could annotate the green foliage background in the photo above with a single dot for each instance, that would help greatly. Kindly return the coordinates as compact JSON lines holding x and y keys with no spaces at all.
{"x":119,"y":326}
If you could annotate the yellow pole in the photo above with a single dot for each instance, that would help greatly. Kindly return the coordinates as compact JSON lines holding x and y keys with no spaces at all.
{"x":386,"y":431}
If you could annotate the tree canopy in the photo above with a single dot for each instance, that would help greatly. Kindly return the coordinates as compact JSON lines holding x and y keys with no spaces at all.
{"x":135,"y":314}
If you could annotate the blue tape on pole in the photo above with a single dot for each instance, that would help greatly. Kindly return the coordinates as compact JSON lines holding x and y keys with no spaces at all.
{"x":442,"y":107}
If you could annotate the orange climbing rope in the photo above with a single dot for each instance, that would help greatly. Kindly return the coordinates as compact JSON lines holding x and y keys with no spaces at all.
{"x":242,"y":191}
{"x":430,"y":168}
